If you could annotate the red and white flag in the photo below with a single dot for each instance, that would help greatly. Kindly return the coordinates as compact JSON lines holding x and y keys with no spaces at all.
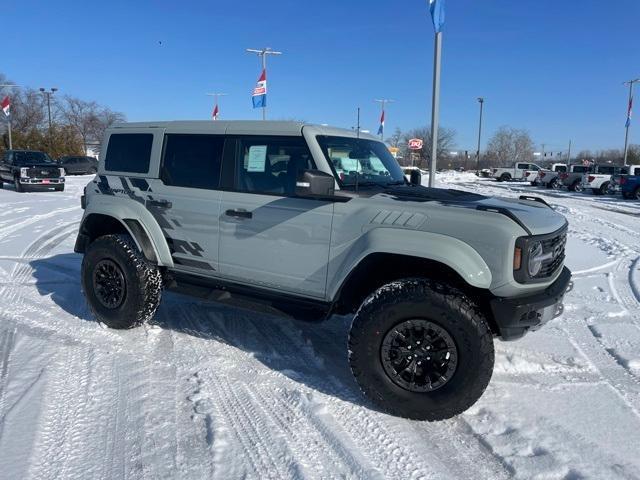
{"x":215,"y":113}
{"x":6,"y":105}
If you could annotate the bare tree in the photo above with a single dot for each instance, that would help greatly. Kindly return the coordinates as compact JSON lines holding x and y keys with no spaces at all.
{"x":104,"y":118}
{"x":509,"y":145}
{"x":81,"y":116}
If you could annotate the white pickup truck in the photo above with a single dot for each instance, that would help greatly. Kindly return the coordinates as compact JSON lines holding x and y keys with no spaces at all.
{"x":550,"y":178}
{"x":517,"y":172}
{"x":600,"y":180}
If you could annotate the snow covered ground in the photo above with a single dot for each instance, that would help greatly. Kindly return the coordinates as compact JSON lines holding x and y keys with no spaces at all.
{"x":215,"y":392}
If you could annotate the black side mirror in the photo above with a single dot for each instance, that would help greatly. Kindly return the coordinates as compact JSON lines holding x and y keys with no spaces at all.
{"x":415,"y":177}
{"x":314,"y":183}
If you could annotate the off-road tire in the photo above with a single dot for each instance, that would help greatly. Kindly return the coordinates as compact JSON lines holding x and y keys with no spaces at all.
{"x":143,"y":282}
{"x":604,"y":188}
{"x":438,"y":303}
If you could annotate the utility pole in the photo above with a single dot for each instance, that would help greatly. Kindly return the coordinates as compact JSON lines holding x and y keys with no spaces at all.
{"x":215,"y":96}
{"x":436,"y":8}
{"x":542,"y":144}
{"x":48,"y":94}
{"x":383,"y":102}
{"x":569,"y":154}
{"x":263,"y":54}
{"x":481,"y":102}
{"x":628,"y":123}
{"x":9,"y":115}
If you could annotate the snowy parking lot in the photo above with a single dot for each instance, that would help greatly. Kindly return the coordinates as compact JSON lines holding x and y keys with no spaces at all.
{"x":214,"y":392}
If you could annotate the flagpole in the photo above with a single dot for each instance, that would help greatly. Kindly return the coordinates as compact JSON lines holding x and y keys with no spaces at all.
{"x":215,"y":96}
{"x":383,"y":102}
{"x":628,"y":123}
{"x":9,"y":116}
{"x":435,"y":108}
{"x":263,"y":53}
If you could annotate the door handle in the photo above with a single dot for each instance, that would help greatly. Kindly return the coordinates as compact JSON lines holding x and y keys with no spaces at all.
{"x":239,"y":213}
{"x":160,"y":203}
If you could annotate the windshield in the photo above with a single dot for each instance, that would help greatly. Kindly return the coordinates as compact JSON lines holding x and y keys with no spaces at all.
{"x":366,"y":162}
{"x":26,"y":158}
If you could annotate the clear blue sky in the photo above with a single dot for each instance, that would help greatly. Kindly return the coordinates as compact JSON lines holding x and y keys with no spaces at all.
{"x":554,"y":67}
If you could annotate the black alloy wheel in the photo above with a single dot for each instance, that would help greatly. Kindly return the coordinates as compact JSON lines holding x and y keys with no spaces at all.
{"x":419,"y":355}
{"x":109,"y":284}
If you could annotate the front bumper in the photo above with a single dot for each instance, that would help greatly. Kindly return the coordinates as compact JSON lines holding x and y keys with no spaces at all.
{"x":516,"y":316}
{"x":44,"y":182}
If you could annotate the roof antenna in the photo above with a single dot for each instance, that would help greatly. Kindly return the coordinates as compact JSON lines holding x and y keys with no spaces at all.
{"x":357,"y":146}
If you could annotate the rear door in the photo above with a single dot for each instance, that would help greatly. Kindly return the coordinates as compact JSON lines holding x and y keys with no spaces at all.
{"x":186,"y":198}
{"x":268,"y":236}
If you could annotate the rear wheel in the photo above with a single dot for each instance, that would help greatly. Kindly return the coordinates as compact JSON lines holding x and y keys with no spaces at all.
{"x":421,"y":349}
{"x":636,"y":193}
{"x":576,"y":186}
{"x":122,"y":288}
{"x":505,"y":177}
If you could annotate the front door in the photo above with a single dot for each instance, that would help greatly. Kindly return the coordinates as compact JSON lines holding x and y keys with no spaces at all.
{"x":268,"y":236}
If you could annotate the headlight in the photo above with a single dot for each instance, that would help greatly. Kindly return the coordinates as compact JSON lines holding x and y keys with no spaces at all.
{"x":535,"y":258}
{"x":23,"y":172}
{"x":62,"y":172}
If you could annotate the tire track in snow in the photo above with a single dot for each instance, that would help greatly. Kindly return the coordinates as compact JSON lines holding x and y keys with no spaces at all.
{"x":34,"y":219}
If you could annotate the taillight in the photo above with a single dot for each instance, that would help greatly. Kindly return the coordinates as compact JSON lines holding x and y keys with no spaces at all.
{"x":591,"y":178}
{"x":623,"y":180}
{"x":564,"y":175}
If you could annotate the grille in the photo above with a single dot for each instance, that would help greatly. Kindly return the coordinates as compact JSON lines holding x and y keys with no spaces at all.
{"x":43,"y":172}
{"x":555,"y":246}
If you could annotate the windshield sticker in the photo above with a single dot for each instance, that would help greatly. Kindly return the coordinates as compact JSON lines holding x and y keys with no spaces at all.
{"x":257,"y":158}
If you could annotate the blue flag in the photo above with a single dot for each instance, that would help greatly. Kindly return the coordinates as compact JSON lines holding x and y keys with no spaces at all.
{"x":436,"y":7}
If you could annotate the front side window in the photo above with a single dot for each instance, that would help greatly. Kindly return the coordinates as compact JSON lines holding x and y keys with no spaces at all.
{"x":271,"y":164}
{"x":129,"y":152}
{"x":360,"y":161}
{"x":192,"y":161}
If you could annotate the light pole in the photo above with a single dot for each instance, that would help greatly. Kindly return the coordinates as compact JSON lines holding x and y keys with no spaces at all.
{"x":9,"y":115}
{"x":481,"y":102}
{"x":263,"y":54}
{"x":216,"y":110}
{"x":47,"y":94}
{"x":383,"y":102}
{"x":628,"y":122}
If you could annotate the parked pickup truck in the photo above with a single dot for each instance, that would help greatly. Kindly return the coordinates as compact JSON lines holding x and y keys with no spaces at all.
{"x":616,"y":180}
{"x":30,"y":170}
{"x":517,"y":172}
{"x":600,"y":181}
{"x":573,"y":178}
{"x":550,"y":178}
{"x":630,"y":185}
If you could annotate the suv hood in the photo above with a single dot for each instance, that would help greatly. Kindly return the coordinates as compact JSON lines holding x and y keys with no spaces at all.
{"x":534,"y":216}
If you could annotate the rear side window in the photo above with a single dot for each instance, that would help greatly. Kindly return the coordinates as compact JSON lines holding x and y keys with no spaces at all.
{"x":129,"y":152}
{"x":192,"y":161}
{"x":561,"y":169}
{"x":636,"y":171}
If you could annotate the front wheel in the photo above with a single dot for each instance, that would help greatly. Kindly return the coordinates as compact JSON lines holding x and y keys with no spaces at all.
{"x":421,"y":349}
{"x":122,"y":288}
{"x":18,"y":185}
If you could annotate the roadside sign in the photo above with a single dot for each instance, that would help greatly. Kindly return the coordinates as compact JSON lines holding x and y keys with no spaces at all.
{"x":415,"y":144}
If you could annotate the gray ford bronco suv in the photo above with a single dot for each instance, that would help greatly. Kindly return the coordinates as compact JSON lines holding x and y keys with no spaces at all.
{"x":258,"y":214}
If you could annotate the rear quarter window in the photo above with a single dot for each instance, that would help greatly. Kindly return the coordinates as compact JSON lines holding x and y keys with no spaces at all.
{"x":129,"y":152}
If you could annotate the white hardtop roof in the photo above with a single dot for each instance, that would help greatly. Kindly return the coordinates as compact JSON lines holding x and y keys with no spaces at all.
{"x":244,"y":127}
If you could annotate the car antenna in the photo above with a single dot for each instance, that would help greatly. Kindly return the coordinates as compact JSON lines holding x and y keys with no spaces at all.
{"x":357,"y":143}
